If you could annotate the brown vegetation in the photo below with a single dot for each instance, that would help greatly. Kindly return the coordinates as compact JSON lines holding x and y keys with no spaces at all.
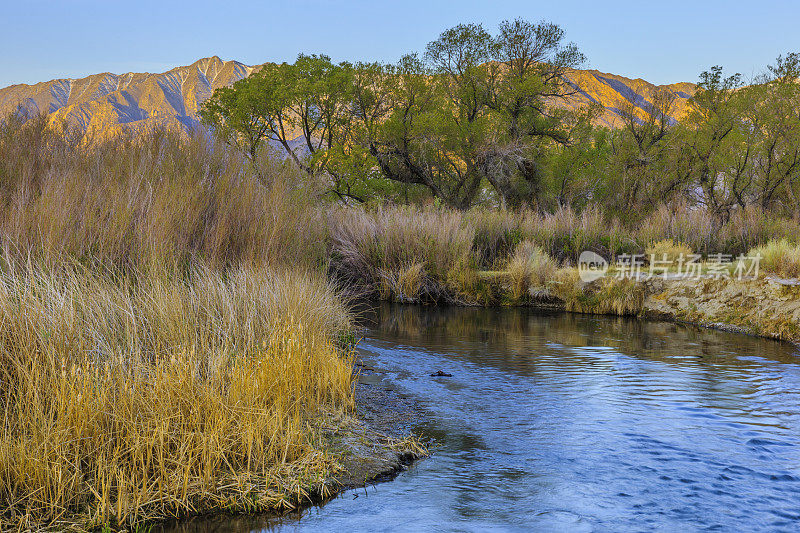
{"x":170,"y":312}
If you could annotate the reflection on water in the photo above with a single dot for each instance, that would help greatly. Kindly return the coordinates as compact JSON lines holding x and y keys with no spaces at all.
{"x":578,"y":423}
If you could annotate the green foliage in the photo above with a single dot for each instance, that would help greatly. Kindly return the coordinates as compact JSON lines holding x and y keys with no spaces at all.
{"x":477,"y":111}
{"x":479,"y":120}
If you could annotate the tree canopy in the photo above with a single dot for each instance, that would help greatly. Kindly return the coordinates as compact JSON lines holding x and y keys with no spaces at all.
{"x":483,"y":118}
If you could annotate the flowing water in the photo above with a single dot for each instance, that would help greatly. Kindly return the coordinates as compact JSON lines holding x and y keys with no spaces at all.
{"x":579,"y":423}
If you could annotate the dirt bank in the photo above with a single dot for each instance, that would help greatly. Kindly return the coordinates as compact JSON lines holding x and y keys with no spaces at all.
{"x":767,"y":307}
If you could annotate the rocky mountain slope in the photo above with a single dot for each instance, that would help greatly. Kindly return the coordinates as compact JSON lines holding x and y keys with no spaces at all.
{"x":104,"y":104}
{"x":611,"y":90}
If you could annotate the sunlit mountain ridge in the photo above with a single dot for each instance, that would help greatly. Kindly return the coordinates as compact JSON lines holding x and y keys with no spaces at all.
{"x":104,"y":104}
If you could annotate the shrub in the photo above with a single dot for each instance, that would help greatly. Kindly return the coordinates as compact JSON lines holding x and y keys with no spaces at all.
{"x":681,"y":224}
{"x":565,"y":233}
{"x":464,"y":283}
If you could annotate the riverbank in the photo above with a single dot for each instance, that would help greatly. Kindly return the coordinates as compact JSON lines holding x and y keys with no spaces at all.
{"x":374,"y":443}
{"x":767,"y":306}
{"x":259,"y":416}
{"x":138,"y":398}
{"x":371,"y":444}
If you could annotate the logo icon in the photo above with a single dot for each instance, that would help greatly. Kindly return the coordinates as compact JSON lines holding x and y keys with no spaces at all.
{"x":591,"y":266}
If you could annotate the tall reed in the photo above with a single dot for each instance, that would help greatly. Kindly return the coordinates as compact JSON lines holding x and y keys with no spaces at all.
{"x":154,"y":199}
{"x":779,"y":257}
{"x":400,"y":243}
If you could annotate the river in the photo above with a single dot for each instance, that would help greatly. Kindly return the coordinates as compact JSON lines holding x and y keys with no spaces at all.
{"x":562,"y":422}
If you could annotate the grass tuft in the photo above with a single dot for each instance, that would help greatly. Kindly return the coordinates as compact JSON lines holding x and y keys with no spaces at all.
{"x":780,"y":257}
{"x":529,"y":268}
{"x":668,"y":250}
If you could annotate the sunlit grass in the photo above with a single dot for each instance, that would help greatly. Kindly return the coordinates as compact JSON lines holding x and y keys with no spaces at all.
{"x":667,"y":250}
{"x":127,"y":400}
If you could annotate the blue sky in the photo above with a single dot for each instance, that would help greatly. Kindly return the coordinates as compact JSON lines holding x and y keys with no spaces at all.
{"x":662,"y":42}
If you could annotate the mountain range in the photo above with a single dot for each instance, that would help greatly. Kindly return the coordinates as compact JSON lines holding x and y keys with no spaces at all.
{"x":105,"y":104}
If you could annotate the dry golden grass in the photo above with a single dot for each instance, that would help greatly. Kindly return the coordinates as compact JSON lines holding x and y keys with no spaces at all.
{"x":405,"y":284}
{"x":153,"y":200}
{"x":529,"y":268}
{"x":607,"y":296}
{"x":148,"y":397}
{"x":780,"y":257}
{"x":400,"y":248}
{"x":668,"y":250}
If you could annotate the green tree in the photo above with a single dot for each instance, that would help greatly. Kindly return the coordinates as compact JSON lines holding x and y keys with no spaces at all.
{"x":479,"y":110}
{"x":772,"y":117}
{"x":577,"y":173}
{"x":240,"y":115}
{"x":527,"y":80}
{"x":709,"y":133}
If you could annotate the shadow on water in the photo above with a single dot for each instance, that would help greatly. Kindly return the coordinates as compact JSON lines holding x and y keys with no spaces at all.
{"x":577,"y":423}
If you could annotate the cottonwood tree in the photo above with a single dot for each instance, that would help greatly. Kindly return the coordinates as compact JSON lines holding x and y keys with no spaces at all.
{"x":240,"y":115}
{"x":411,"y":142}
{"x":577,"y":173}
{"x":478,"y":108}
{"x":709,"y":128}
{"x":640,"y":149}
{"x":771,"y":114}
{"x":526,"y":82}
{"x":301,"y":108}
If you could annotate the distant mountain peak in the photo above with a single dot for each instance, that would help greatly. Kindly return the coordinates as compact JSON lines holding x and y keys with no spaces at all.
{"x":105,"y":104}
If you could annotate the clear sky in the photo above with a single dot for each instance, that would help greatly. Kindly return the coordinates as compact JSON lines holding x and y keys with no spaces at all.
{"x":660,"y":41}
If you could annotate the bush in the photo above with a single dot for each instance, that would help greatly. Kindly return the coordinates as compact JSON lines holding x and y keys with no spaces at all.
{"x":404,"y":285}
{"x":566,"y":233}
